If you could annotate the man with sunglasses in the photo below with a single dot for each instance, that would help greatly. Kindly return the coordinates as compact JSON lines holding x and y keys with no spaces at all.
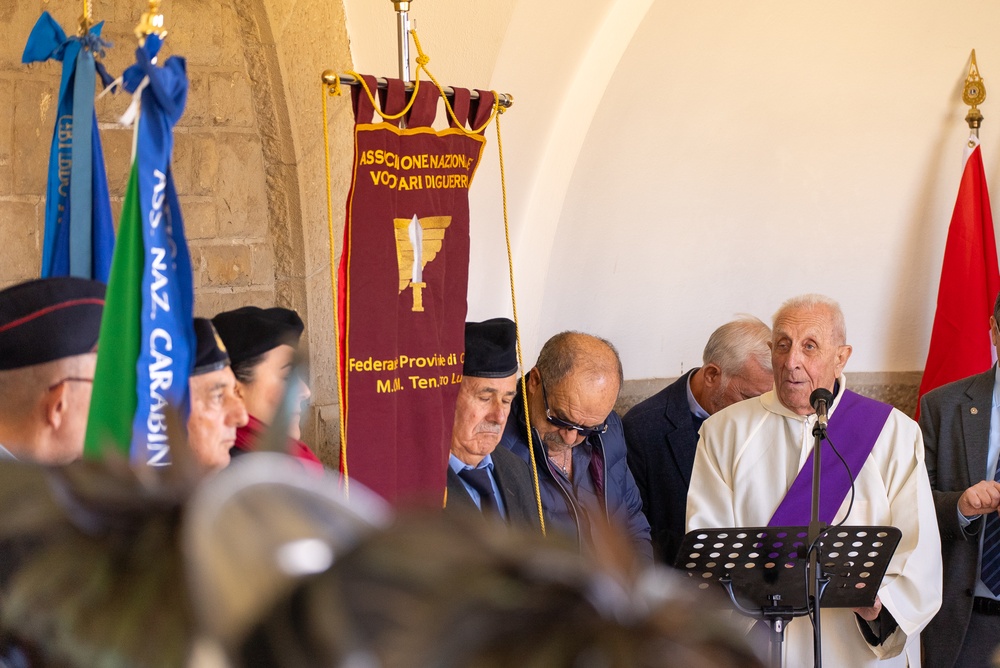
{"x":48,"y":343}
{"x":578,"y":443}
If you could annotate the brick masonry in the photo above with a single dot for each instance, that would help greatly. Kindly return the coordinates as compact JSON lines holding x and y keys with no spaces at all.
{"x":248,"y":155}
{"x":218,"y":157}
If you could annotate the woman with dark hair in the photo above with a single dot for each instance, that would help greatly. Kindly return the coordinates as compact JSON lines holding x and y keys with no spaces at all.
{"x":261,"y":345}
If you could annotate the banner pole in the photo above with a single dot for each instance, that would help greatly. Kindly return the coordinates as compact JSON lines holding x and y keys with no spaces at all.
{"x":403,"y":37}
{"x":330,"y":78}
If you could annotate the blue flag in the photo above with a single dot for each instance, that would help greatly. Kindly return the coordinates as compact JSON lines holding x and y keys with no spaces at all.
{"x":79,"y":236}
{"x":167,"y":344}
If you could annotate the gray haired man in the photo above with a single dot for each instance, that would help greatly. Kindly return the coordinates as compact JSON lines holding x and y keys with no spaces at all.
{"x":662,"y":432}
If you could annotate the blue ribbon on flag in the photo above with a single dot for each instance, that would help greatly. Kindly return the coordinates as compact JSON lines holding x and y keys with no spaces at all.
{"x":79,"y":235}
{"x":166,"y":354}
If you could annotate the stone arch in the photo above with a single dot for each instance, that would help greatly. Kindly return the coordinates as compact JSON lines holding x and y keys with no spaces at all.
{"x":286,"y":49}
{"x":274,"y":126}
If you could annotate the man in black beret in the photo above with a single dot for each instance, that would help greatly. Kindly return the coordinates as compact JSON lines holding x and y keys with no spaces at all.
{"x":216,"y":411}
{"x":48,"y":344}
{"x":480,"y":475}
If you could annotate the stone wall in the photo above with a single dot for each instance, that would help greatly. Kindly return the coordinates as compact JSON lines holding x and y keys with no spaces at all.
{"x":898,"y":389}
{"x":218,"y":159}
{"x":248,"y":156}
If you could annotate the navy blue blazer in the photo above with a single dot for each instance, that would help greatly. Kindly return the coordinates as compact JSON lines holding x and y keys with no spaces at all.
{"x":513,"y":478}
{"x":662,"y":440}
{"x":955,"y":421}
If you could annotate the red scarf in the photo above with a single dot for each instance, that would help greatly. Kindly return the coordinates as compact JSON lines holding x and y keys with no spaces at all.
{"x":248,"y":436}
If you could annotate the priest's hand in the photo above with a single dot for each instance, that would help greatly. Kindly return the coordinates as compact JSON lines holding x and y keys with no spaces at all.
{"x":870,"y":614}
{"x":981,"y":498}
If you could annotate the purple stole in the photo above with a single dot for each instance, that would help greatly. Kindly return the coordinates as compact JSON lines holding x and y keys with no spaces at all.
{"x":854,"y":428}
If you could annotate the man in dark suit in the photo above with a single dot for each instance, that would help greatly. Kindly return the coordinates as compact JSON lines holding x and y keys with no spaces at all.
{"x":662,"y":432}
{"x":962,"y":440}
{"x":481,"y":476}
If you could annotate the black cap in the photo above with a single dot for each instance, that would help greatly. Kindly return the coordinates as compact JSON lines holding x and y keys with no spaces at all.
{"x":251,"y":331}
{"x":211,"y":352}
{"x":48,"y":319}
{"x":490,"y":348}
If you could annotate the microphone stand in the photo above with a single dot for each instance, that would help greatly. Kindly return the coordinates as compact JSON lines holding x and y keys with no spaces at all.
{"x":816,"y":577}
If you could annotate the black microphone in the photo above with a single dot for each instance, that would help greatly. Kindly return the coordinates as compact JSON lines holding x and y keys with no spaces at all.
{"x":820,"y":400}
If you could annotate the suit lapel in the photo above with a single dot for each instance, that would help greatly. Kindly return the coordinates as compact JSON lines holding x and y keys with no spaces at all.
{"x":502,"y":484}
{"x":680,"y":430}
{"x":977,"y":408}
{"x":457,"y":494}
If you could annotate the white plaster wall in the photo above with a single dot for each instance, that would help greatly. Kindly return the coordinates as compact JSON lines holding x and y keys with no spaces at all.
{"x":673,"y":163}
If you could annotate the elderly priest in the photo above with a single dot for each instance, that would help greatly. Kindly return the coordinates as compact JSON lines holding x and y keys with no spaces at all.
{"x":750,"y":454}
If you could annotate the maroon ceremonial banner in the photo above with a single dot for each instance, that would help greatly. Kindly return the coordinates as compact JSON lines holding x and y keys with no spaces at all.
{"x":402,"y":295}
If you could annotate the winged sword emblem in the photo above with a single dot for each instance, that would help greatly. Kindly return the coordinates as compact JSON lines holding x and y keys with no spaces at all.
{"x":418,"y":241}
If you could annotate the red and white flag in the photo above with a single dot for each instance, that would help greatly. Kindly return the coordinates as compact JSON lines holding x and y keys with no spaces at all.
{"x":960,"y":340}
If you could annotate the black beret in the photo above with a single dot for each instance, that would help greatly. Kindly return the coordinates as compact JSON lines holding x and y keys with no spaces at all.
{"x":490,"y":349}
{"x":211,"y":352}
{"x":251,"y":331}
{"x":48,"y":319}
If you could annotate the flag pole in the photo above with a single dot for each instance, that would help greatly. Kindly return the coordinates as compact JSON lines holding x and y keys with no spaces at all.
{"x":86,"y":18}
{"x":974,"y":94}
{"x":403,"y":37}
{"x":332,"y":79}
{"x":151,"y":23}
{"x":970,"y":276}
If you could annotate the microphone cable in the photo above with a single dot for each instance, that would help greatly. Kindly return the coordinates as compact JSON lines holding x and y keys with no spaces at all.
{"x":814,"y":609}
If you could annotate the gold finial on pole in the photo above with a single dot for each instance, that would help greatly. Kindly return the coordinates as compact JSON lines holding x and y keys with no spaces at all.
{"x":151,"y":23}
{"x":87,"y":18}
{"x":974,"y":94}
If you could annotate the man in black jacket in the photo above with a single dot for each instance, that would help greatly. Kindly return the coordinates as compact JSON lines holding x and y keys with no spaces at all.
{"x":662,"y":432}
{"x":480,"y":475}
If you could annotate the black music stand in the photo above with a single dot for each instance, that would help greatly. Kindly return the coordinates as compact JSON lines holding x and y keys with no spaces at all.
{"x":764,"y":569}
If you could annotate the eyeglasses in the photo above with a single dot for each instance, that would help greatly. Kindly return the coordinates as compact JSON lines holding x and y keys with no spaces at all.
{"x":70,"y":379}
{"x":585,"y":432}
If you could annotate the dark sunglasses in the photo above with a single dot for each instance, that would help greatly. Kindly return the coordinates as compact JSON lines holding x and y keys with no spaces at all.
{"x":586,"y":432}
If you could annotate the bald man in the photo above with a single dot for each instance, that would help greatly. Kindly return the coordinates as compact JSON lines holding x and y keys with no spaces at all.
{"x":578,"y":442}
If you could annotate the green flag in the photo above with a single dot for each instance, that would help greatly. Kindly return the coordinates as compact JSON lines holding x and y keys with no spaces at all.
{"x":114,"y":401}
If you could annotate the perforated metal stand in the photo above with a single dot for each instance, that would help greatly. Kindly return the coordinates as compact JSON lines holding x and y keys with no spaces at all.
{"x":764,"y":569}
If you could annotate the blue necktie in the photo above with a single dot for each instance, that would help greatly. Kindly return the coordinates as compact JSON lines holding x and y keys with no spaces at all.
{"x":991,"y":548}
{"x":479,"y":480}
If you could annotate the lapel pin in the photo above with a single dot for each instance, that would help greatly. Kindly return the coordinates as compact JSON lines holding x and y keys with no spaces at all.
{"x":974,"y":410}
